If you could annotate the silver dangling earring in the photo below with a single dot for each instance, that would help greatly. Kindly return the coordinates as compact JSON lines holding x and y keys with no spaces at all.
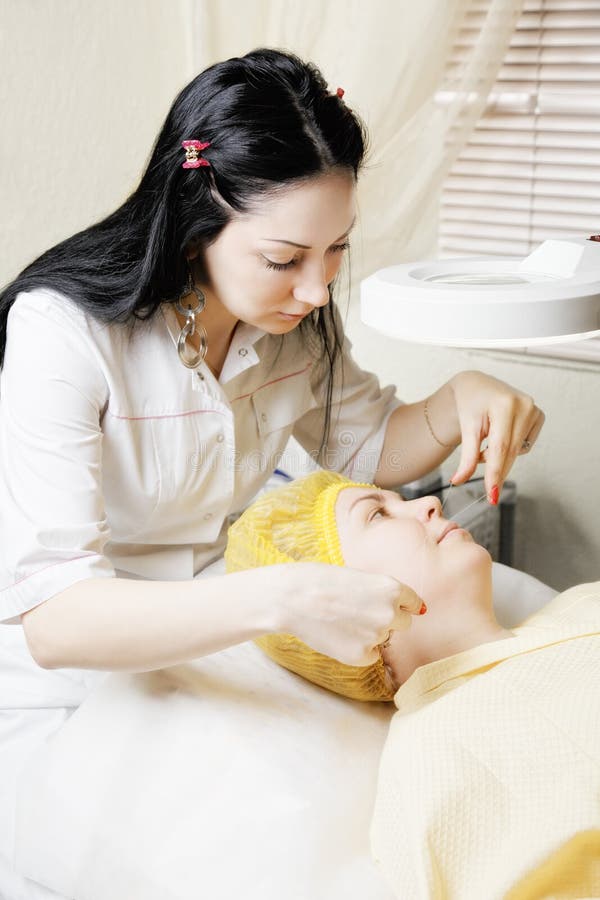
{"x":190,"y":325}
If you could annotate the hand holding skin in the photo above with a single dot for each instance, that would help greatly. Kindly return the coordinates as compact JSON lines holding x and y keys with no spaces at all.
{"x":487,"y":408}
{"x":325,"y":607}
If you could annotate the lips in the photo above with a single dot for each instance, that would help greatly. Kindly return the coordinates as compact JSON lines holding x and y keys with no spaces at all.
{"x":451,"y":526}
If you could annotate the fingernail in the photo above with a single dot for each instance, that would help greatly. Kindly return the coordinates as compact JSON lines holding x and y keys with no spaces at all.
{"x":423,"y":610}
{"x":494,"y":495}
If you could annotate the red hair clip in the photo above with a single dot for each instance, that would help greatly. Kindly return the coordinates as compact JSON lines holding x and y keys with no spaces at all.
{"x":192,"y":154}
{"x":340,"y":92}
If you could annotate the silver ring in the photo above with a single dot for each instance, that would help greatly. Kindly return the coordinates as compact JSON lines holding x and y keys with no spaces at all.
{"x":189,"y":328}
{"x":526,"y":445}
{"x":189,"y":289}
{"x":190,"y":325}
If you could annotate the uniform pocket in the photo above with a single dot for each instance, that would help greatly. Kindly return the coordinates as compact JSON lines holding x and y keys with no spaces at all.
{"x":282,"y":402}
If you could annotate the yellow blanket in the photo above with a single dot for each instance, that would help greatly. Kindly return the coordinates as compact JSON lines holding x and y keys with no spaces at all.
{"x":489,"y":781}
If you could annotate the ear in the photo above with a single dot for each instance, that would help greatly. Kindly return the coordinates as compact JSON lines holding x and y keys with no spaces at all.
{"x":193,"y":249}
{"x":389,"y":672}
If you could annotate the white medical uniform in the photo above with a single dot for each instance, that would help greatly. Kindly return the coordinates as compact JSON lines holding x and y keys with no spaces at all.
{"x":118,"y":461}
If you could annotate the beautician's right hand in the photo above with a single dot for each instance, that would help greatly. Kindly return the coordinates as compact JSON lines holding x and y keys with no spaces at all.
{"x":344,"y":613}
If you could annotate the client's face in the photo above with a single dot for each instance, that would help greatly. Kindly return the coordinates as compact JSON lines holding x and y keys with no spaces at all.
{"x":411,"y":541}
{"x":408,"y":539}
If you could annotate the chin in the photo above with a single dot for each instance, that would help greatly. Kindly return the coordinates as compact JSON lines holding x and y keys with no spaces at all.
{"x":481,"y":564}
{"x":477,"y":549}
{"x":481,"y":553}
{"x":473,"y":560}
{"x":281,"y":327}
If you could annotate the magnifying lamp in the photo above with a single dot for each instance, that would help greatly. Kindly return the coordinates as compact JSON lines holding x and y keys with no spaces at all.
{"x":550,"y":296}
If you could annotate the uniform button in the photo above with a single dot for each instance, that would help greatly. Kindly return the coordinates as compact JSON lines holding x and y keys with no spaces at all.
{"x":208,"y":516}
{"x":263,"y":417}
{"x":200,"y":376}
{"x":220,"y":438}
{"x":243,"y":351}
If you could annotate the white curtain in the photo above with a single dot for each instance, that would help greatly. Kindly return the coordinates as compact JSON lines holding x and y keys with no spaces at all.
{"x":390,"y":57}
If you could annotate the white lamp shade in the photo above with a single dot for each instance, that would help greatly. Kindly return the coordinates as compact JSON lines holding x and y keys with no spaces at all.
{"x":550,"y":296}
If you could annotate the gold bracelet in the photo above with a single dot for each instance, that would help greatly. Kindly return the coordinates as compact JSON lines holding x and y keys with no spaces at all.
{"x":431,"y":429}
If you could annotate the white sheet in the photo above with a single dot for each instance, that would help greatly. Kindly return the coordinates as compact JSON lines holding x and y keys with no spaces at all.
{"x":257,"y":783}
{"x":249,"y":779}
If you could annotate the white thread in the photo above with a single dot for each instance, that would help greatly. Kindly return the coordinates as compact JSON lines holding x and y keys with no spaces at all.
{"x":454,"y":519}
{"x":465,"y":508}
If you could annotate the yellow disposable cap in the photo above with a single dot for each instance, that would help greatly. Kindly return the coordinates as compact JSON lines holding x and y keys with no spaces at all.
{"x":296,"y":523}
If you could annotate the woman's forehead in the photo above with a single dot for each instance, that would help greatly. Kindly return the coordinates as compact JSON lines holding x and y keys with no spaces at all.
{"x":325,"y":201}
{"x":349,"y":497}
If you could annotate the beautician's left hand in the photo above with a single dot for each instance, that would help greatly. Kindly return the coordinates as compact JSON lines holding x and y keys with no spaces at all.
{"x":491,"y":409}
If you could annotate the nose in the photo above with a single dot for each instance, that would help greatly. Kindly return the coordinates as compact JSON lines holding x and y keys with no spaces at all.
{"x":313,"y":290}
{"x":427,"y":508}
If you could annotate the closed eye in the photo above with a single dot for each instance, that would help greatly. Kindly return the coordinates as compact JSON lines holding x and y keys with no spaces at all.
{"x":279,"y":267}
{"x":381,"y":510}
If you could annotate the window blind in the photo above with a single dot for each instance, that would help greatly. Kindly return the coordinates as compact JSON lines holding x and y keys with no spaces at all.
{"x":531,"y":169}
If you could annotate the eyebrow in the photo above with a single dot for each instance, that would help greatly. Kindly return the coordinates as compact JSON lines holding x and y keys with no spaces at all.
{"x":305,"y":246}
{"x":378,"y":497}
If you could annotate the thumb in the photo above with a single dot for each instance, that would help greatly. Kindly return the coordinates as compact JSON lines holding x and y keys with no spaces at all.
{"x":408,"y":602}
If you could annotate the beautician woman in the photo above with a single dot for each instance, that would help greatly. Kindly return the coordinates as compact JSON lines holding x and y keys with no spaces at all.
{"x":155,"y":365}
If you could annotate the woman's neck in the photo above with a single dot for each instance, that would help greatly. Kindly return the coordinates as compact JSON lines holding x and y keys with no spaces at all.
{"x":451,"y":629}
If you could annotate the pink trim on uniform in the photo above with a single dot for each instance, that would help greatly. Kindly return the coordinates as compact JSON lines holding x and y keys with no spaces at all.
{"x":274,"y":381}
{"x":192,"y":412}
{"x":62,"y":562}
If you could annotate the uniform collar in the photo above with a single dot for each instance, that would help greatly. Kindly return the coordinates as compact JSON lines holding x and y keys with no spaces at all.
{"x":241,"y":355}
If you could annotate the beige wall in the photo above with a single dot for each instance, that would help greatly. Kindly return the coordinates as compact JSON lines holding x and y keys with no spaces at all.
{"x":85,"y":88}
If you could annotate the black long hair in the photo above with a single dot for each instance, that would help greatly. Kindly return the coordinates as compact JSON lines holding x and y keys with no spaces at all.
{"x":271,"y":121}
